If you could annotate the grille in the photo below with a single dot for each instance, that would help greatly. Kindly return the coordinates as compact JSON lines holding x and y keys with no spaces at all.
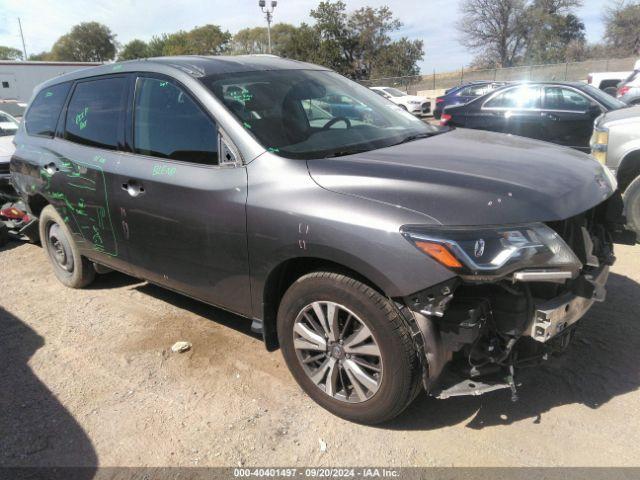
{"x":4,"y":168}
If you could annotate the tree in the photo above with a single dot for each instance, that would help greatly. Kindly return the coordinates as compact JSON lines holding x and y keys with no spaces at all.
{"x":155,"y":47}
{"x":41,"y":57}
{"x":134,"y":49}
{"x":10,"y":53}
{"x":86,"y":42}
{"x":206,"y":40}
{"x":256,"y":40}
{"x":355,"y":44}
{"x":495,"y":29}
{"x":551,"y":29}
{"x":622,"y":31}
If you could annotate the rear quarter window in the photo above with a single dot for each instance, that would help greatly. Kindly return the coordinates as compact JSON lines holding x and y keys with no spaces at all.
{"x":42,"y":116}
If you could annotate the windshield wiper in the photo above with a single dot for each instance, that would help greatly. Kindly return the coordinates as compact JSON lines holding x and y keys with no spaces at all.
{"x":418,"y":136}
{"x":342,"y":153}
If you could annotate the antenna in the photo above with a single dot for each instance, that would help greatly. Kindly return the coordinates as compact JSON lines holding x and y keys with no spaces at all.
{"x":24,"y":49}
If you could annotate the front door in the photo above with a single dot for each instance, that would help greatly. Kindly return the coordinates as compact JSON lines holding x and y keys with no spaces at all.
{"x":181,"y":212}
{"x":568,"y":117}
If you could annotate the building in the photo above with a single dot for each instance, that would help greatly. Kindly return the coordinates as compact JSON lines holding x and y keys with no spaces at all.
{"x":18,"y":79}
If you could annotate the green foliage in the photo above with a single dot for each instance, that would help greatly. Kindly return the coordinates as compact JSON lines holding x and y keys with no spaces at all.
{"x":42,"y":56}
{"x":10,"y":53}
{"x":134,"y":49}
{"x":622,"y":28}
{"x":86,"y":42}
{"x":205,"y":40}
{"x":552,"y":28}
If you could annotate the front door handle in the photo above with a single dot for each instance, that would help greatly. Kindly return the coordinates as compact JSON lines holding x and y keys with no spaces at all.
{"x":133,"y":188}
{"x":51,"y":168}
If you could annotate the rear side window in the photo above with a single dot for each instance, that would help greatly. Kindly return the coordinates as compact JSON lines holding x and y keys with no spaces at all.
{"x":169,"y":124}
{"x":96,"y":112}
{"x":42,"y":117}
{"x":519,"y":98}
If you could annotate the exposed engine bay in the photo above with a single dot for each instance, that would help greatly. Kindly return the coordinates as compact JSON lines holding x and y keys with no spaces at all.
{"x":477,"y":333}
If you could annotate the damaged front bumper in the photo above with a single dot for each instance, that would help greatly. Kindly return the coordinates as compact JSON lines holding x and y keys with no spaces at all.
{"x":553,"y":317}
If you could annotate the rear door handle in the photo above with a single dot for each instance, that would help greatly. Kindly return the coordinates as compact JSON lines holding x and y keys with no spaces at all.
{"x":551,"y":116}
{"x":133,"y":188}
{"x":51,"y":168}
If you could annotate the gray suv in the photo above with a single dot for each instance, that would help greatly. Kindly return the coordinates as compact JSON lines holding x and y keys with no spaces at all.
{"x":381,"y":254}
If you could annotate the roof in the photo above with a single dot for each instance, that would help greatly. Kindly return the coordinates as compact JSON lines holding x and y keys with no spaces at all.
{"x":33,"y":63}
{"x":193,"y":65}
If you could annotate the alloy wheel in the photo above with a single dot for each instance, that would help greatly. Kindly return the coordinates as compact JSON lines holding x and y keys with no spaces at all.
{"x":338,"y":351}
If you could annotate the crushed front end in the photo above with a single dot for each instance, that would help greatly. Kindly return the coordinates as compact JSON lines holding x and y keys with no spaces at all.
{"x":517,"y":297}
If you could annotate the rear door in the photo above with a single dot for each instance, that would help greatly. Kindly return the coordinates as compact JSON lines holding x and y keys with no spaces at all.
{"x":78,"y":169}
{"x":568,"y":116}
{"x":182,"y":210}
{"x":515,"y":110}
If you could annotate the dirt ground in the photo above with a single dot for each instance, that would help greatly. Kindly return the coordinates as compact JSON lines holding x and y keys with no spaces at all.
{"x":87,"y":378}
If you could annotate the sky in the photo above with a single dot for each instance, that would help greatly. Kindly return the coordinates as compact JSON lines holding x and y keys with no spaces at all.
{"x":433,"y":21}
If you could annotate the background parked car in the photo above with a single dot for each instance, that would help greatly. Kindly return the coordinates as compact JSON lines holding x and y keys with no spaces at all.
{"x":559,"y":112}
{"x":8,"y":128}
{"x":629,"y":90}
{"x":463,"y":94}
{"x":411,"y":103}
{"x":616,"y":143}
{"x":607,"y":81}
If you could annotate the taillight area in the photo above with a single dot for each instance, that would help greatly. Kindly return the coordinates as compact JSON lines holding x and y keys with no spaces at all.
{"x":623,"y":90}
{"x":439,"y":100}
{"x":444,"y":119}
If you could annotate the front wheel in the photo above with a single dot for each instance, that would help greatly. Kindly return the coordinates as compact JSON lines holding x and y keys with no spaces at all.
{"x":72,"y":269}
{"x":347,"y":347}
{"x":632,"y":206}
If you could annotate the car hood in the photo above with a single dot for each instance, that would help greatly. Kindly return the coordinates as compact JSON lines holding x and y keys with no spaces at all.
{"x":6,"y":148}
{"x":472,"y":177}
{"x":622,"y":115}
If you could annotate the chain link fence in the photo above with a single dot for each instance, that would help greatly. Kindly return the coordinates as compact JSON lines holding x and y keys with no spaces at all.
{"x":570,"y":71}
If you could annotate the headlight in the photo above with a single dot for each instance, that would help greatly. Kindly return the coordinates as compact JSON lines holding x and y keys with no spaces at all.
{"x":599,"y":142}
{"x":494,"y":252}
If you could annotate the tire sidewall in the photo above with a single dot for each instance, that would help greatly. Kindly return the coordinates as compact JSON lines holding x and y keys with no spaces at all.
{"x":632,"y":206}
{"x":74,"y":279}
{"x":312,"y":288}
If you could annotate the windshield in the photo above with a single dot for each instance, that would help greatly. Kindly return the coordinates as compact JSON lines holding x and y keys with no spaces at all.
{"x":394,"y":92}
{"x":8,"y":125}
{"x":313,"y":114}
{"x":611,"y":103}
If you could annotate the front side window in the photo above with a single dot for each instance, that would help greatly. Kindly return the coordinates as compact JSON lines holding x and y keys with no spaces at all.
{"x":524,"y":97}
{"x":309,"y":114}
{"x":169,"y":124}
{"x":560,"y":98}
{"x":96,"y":112}
{"x":42,"y":116}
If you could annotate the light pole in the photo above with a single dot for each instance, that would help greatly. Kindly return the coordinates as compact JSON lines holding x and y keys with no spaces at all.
{"x":268,"y":11}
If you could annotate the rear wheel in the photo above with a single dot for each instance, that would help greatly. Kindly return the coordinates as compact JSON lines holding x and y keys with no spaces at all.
{"x":71,"y":268}
{"x":347,"y":347}
{"x":632,"y":206}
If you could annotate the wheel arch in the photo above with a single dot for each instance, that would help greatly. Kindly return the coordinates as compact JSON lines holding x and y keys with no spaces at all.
{"x":628,"y":170}
{"x":284,"y":274}
{"x":36,"y":203}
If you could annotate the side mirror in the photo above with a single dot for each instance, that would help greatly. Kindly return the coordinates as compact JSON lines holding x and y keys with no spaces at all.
{"x":595,"y":111}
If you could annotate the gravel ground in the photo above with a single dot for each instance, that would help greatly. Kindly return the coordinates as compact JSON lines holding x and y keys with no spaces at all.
{"x":88,"y":378}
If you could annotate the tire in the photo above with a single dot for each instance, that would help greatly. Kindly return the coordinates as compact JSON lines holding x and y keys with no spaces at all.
{"x":399,"y":379}
{"x":631,"y":199}
{"x":72,"y":269}
{"x":4,"y":235}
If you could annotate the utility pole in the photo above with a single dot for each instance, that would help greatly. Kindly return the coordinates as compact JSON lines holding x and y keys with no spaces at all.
{"x":268,"y":11}
{"x":24,"y":49}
